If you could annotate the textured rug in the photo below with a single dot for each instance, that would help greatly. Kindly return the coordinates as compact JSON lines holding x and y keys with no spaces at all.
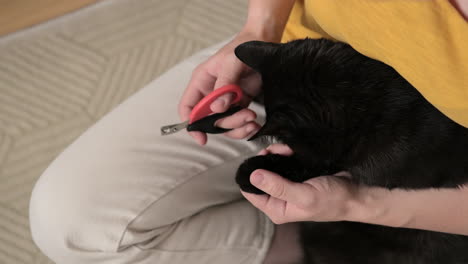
{"x":58,"y":78}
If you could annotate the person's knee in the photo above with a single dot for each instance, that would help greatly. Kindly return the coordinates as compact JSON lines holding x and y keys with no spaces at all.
{"x":64,"y":220}
{"x":48,"y":215}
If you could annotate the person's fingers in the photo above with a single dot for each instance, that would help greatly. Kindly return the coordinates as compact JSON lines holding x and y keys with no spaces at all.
{"x":238,"y":119}
{"x":257,"y":200}
{"x":200,"y":137}
{"x":343,"y":174}
{"x":221,"y":104}
{"x":281,"y":188}
{"x":324,"y":198}
{"x":199,"y":86}
{"x":228,"y":73}
{"x":281,"y":149}
{"x":251,"y":84}
{"x":245,"y":131}
{"x":277,"y":148}
{"x":274,"y":208}
{"x":262,"y":152}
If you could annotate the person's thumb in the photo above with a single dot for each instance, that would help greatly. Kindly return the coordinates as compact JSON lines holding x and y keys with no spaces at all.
{"x":279,"y":187}
{"x":228,"y":74}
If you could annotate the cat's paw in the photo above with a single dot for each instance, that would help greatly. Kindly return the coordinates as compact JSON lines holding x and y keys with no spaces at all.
{"x":286,"y":166}
{"x":243,"y":175}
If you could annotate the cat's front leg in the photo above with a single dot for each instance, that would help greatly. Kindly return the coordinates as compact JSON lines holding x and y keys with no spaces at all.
{"x":287,"y":166}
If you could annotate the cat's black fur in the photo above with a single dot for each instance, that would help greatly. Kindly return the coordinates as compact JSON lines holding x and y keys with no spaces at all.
{"x":341,"y":111}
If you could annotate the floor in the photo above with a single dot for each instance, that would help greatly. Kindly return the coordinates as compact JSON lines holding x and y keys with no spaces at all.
{"x":19,"y":14}
{"x":60,"y":77}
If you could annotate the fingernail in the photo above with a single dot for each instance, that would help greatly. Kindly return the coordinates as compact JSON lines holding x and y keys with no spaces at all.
{"x":256,"y":179}
{"x":221,"y":102}
{"x":249,"y":119}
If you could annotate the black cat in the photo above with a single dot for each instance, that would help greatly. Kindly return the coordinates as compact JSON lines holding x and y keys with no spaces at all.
{"x":339,"y":110}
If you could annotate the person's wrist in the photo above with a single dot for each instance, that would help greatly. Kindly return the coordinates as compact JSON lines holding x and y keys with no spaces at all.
{"x":263,"y":30}
{"x":267,"y":19}
{"x":373,"y":205}
{"x":380,"y":206}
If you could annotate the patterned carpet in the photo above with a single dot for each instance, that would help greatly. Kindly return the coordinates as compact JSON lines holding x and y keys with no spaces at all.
{"x":58,"y":78}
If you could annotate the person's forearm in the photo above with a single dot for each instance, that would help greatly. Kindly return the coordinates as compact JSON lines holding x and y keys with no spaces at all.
{"x":267,"y":18}
{"x":442,"y":210}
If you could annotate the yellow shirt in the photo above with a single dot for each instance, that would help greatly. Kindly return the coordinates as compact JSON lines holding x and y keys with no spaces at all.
{"x":425,"y":41}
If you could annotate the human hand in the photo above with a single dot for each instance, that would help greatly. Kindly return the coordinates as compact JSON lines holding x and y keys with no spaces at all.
{"x":221,"y":69}
{"x":265,"y":21}
{"x":324,"y":198}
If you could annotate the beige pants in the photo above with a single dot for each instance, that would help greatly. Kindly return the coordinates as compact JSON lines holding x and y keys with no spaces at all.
{"x":121,"y":193}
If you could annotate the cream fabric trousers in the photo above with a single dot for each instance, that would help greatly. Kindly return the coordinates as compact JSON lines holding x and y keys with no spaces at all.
{"x":121,"y":193}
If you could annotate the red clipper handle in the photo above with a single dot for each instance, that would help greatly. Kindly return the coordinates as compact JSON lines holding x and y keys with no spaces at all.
{"x":202,"y":109}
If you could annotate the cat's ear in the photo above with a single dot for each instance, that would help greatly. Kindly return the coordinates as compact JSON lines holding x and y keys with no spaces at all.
{"x":256,"y":53}
{"x":268,"y":129}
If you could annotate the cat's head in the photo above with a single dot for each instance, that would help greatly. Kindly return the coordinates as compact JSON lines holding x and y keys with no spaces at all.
{"x":314,"y":90}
